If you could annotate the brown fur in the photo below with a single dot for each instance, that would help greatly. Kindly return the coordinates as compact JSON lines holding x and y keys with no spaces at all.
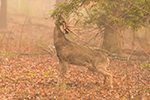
{"x":71,"y":53}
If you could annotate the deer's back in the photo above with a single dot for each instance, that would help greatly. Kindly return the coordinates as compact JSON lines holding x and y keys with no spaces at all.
{"x":78,"y":55}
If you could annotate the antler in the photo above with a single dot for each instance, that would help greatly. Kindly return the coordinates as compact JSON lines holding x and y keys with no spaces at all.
{"x":66,"y":27}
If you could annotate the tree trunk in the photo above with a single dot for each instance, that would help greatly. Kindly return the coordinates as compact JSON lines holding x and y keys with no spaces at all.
{"x":19,"y":5}
{"x":112,"y":41}
{"x":3,"y":14}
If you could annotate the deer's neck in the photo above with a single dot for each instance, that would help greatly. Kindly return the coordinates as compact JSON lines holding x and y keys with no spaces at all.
{"x":59,"y":36}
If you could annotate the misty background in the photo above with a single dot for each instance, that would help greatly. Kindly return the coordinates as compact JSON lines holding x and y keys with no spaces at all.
{"x":26,"y":24}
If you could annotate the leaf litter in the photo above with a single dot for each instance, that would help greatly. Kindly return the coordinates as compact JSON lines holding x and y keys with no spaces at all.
{"x":21,"y":77}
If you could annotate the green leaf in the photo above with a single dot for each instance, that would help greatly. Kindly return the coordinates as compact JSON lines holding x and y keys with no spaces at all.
{"x":31,"y":74}
{"x":146,"y":67}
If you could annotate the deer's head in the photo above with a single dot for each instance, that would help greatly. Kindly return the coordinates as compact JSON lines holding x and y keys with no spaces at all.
{"x":61,"y":23}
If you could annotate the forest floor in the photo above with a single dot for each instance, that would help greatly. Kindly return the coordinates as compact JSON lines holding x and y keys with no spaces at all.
{"x":27,"y":72}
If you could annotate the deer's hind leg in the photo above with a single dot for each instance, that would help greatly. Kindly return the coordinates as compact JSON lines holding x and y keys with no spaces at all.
{"x":62,"y":71}
{"x":106,"y":73}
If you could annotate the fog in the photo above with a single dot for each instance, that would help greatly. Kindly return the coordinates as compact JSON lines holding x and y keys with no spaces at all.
{"x":27,"y":23}
{"x":38,"y":8}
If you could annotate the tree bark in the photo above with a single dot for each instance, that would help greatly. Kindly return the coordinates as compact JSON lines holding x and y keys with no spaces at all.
{"x":3,"y":14}
{"x":112,"y":41}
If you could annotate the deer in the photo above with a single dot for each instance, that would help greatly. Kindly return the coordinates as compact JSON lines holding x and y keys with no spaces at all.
{"x":71,"y":53}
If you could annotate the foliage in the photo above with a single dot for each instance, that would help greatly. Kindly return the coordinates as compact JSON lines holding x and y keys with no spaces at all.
{"x":67,"y":8}
{"x":146,"y":67}
{"x":120,"y":13}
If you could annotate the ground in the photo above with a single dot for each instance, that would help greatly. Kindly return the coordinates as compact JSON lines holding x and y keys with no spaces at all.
{"x":27,"y":72}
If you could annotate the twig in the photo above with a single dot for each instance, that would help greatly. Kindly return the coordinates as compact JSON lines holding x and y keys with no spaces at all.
{"x":138,"y":7}
{"x":46,"y":50}
{"x":10,"y":32}
{"x":8,"y":40}
{"x":93,"y":37}
{"x":131,"y":54}
{"x":22,"y":31}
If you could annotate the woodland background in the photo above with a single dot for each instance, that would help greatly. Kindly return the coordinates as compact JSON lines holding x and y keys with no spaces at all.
{"x":29,"y":65}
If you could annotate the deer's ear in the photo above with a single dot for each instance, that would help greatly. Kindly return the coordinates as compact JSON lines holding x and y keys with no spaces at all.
{"x":62,"y":29}
{"x":64,"y":25}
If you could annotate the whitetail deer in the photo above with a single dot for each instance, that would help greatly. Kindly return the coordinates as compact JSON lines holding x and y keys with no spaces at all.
{"x":71,"y":53}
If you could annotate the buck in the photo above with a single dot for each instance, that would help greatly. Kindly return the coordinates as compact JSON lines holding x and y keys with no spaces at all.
{"x":70,"y":53}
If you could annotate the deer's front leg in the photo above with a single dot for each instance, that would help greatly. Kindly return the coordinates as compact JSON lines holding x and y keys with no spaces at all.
{"x":62,"y":70}
{"x":106,"y":74}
